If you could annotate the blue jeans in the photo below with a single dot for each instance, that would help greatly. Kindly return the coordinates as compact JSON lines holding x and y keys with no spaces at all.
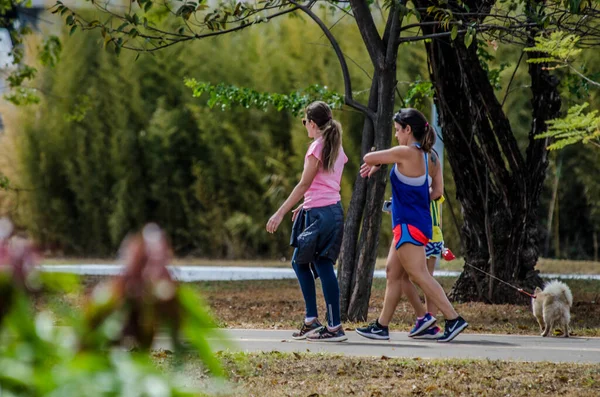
{"x":329,"y":282}
{"x":317,"y":237}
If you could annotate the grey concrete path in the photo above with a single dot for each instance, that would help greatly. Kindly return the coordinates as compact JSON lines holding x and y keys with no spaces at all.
{"x":231,"y":273}
{"x":465,"y":346}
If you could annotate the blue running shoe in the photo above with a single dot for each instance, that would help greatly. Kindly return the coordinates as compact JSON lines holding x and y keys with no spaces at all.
{"x":453,"y":328}
{"x":374,"y":331}
{"x":421,"y":325}
{"x":434,"y":332}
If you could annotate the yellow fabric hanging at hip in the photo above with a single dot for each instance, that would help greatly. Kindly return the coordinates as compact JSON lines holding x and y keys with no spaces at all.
{"x":436,"y":213}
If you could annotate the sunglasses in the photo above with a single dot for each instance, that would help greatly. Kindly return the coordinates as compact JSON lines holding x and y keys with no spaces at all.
{"x":304,"y":121}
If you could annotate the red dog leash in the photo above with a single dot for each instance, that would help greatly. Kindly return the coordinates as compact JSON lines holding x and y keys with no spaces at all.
{"x":521,"y":290}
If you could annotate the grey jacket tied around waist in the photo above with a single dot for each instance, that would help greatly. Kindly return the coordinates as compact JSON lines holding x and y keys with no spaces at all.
{"x":318,"y":232}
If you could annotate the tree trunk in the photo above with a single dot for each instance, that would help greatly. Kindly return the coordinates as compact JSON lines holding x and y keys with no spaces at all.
{"x":357,"y":260}
{"x":497,"y":188}
{"x":552,"y":205}
{"x":369,"y":239}
{"x":348,"y":257}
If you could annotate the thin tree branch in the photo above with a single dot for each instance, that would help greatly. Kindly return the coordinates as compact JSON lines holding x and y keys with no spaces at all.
{"x":347,"y":82}
{"x":182,"y":37}
{"x":334,"y":25}
{"x":341,"y":9}
{"x":202,"y":36}
{"x":481,"y":29}
{"x":512,"y":78}
{"x":368,"y":31}
{"x":390,"y":36}
{"x":380,"y":10}
{"x":583,"y":76}
{"x":350,"y":58}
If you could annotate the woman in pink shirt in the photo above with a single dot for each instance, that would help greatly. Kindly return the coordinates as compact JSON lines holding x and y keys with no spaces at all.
{"x":318,"y":223}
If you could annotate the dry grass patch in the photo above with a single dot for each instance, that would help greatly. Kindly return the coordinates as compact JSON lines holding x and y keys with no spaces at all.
{"x":548,"y":266}
{"x":278,"y":304}
{"x":306,"y":374}
{"x":567,"y":266}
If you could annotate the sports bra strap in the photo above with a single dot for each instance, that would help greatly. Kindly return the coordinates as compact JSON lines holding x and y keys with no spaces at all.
{"x":426,"y":170}
{"x":417,"y":144}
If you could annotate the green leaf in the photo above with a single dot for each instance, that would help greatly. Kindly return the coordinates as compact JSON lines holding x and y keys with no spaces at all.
{"x":186,"y":10}
{"x":576,"y":127}
{"x":454,"y":32}
{"x":107,"y":39}
{"x":418,"y":91}
{"x":468,"y":40}
{"x":50,"y":51}
{"x":469,"y":37}
{"x":4,"y":182}
{"x":559,"y":47}
{"x":22,"y":96}
{"x":227,"y":96}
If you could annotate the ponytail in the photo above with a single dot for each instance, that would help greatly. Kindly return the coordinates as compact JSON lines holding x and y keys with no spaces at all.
{"x":428,"y":139}
{"x":331,"y":130}
{"x":332,"y":139}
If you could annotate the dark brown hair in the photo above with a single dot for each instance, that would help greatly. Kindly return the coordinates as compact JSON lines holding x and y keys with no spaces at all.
{"x":421,"y":129}
{"x":320,"y":113}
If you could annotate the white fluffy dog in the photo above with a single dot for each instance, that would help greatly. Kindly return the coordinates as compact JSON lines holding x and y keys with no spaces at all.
{"x":552,"y":307}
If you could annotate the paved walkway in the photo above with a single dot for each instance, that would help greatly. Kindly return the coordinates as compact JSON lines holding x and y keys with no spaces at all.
{"x":465,"y":346}
{"x":226,"y":273}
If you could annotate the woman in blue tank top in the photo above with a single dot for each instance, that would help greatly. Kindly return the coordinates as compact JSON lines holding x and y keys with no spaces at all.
{"x":412,"y":168}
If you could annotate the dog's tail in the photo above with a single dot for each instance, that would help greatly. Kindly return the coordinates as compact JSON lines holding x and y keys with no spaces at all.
{"x":560,"y":291}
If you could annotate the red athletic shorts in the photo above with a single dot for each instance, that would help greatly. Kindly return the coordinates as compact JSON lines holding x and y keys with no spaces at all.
{"x":409,"y":234}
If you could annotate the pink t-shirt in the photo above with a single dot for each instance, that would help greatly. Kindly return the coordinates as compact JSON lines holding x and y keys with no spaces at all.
{"x":325,"y":188}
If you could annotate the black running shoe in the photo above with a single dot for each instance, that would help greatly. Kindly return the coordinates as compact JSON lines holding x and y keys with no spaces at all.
{"x":374,"y":331}
{"x":453,"y":328}
{"x":325,"y":335}
{"x":307,"y":329}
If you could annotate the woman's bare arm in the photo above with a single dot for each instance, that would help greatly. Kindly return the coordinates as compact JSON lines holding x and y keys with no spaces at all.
{"x":437,"y":179}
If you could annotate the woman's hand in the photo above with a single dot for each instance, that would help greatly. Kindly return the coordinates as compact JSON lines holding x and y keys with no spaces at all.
{"x":295,"y":213}
{"x":367,"y":170}
{"x":274,"y":222}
